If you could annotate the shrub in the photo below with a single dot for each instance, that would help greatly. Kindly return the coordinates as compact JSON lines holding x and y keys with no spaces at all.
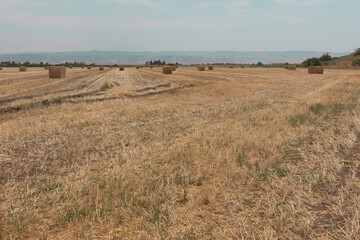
{"x":325,"y":57}
{"x":356,"y":62}
{"x":312,"y":62}
{"x":357,"y":52}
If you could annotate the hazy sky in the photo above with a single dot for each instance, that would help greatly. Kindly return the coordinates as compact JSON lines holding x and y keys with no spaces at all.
{"x":175,"y":25}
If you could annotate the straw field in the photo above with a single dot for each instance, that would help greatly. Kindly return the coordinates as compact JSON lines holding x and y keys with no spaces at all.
{"x":224,"y":154}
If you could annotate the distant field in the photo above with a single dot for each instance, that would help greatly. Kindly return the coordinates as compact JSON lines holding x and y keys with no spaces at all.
{"x":226,"y":154}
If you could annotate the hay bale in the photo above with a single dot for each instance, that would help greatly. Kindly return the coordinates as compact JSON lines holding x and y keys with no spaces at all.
{"x":173,"y":68}
{"x":57,"y":72}
{"x":316,"y":70}
{"x":46,"y":68}
{"x":101,"y":68}
{"x":70,"y":67}
{"x":0,"y":68}
{"x":211,"y":68}
{"x":138,"y":67}
{"x":88,"y":67}
{"x":151,"y":67}
{"x":291,"y":67}
{"x":201,"y":68}
{"x":121,"y":68}
{"x":242,"y":67}
{"x":286,"y":67}
{"x":22,"y":69}
{"x":82,"y":67}
{"x":231,"y":66}
{"x":167,"y":70}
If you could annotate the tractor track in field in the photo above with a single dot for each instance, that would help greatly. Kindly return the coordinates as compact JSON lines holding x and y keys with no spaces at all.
{"x":69,"y":99}
{"x":8,"y":100}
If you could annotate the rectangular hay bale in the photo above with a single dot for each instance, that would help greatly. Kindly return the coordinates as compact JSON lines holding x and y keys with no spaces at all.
{"x":291,"y":67}
{"x":201,"y":68}
{"x":22,"y":69}
{"x":167,"y":70}
{"x":316,"y":70}
{"x":57,"y":72}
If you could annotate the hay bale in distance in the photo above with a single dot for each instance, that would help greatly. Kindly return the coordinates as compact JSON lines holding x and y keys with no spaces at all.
{"x":88,"y":67}
{"x":211,"y":68}
{"x":46,"y":68}
{"x":22,"y":69}
{"x":70,"y":67}
{"x":173,"y":68}
{"x":0,"y":68}
{"x":82,"y":67}
{"x":167,"y":70}
{"x":101,"y":68}
{"x":242,"y":67}
{"x":57,"y":72}
{"x":121,"y":68}
{"x":316,"y":70}
{"x":201,"y":68}
{"x":231,"y":66}
{"x":286,"y":67}
{"x":291,"y":67}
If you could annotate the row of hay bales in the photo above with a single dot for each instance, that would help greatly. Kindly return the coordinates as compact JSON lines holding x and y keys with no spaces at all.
{"x":203,"y":68}
{"x":311,"y":70}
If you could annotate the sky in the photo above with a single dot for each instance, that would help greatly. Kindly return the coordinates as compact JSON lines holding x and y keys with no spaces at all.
{"x":179,"y":25}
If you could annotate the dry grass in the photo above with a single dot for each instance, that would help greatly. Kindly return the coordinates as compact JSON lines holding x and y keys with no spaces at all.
{"x":243,"y":154}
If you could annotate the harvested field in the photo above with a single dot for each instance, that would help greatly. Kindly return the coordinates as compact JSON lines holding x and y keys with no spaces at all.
{"x":223,"y":154}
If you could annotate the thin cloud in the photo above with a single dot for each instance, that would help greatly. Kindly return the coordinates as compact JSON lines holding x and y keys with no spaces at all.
{"x":303,"y":2}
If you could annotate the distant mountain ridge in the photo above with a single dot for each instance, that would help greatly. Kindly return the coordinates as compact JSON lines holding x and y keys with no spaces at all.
{"x":182,"y":57}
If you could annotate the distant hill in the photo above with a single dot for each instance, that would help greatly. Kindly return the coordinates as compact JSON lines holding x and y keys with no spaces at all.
{"x":347,"y":61}
{"x":132,"y":58}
